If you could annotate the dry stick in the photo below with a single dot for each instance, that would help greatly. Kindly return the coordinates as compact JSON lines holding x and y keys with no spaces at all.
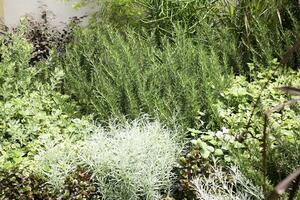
{"x":295,"y":187}
{"x":290,"y":90}
{"x":264,"y":152}
{"x":290,"y":52}
{"x":283,"y":185}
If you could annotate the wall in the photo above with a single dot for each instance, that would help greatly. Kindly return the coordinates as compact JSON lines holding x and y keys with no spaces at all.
{"x":14,"y":9}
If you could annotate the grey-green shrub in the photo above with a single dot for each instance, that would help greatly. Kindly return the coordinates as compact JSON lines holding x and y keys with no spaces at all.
{"x":132,"y":161}
{"x":231,"y":185}
{"x":115,"y":75}
{"x":57,"y":160}
{"x":129,"y":161}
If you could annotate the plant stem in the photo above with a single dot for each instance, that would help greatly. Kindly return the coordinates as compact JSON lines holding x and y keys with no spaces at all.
{"x":264,"y":152}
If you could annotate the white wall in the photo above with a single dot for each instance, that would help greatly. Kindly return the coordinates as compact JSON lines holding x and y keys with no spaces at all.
{"x":14,"y":9}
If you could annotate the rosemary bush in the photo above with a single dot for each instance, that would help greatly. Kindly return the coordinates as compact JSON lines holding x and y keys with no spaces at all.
{"x":260,"y":30}
{"x":115,"y":75}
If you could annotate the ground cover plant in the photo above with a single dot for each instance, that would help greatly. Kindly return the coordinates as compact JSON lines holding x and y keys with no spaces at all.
{"x":30,"y":111}
{"x":218,"y":186}
{"x":283,"y":137}
{"x":152,"y":100}
{"x":237,"y":144}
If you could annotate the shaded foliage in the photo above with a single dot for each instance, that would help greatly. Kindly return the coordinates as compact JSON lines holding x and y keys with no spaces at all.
{"x":17,"y":184}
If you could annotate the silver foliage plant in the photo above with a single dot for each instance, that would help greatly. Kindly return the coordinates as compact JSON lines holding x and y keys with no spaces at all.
{"x":132,"y":160}
{"x":129,"y":161}
{"x":57,"y":160}
{"x":226,"y":186}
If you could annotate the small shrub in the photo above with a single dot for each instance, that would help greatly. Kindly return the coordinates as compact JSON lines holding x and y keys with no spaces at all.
{"x":29,"y":109}
{"x":138,"y":163}
{"x":43,"y":34}
{"x":199,"y":158}
{"x":219,"y":184}
{"x":130,"y":161}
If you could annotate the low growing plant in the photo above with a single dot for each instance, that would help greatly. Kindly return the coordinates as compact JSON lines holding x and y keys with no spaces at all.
{"x":31,"y":111}
{"x":19,"y":184}
{"x":130,"y":161}
{"x":220,"y":184}
{"x":198,"y":159}
{"x":236,"y":110}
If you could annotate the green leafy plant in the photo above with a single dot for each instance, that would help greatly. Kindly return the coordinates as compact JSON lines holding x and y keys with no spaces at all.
{"x":31,"y":110}
{"x":277,"y":108}
{"x":236,"y":109}
{"x":205,"y":147}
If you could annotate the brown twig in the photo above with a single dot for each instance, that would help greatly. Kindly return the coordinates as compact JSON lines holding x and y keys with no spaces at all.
{"x":264,"y":151}
{"x":290,"y":51}
{"x":283,"y":185}
{"x":290,"y":90}
{"x":295,"y":188}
